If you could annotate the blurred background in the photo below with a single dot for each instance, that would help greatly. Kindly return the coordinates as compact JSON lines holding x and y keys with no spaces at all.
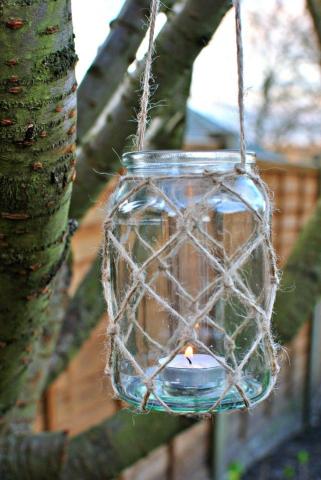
{"x":283,"y":116}
{"x":282,"y":70}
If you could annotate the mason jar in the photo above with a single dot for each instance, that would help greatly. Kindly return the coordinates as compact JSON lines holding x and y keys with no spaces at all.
{"x":188,"y":283}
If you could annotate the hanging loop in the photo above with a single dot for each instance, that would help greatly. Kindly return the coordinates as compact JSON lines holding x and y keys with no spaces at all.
{"x":144,"y":101}
{"x":240,"y":73}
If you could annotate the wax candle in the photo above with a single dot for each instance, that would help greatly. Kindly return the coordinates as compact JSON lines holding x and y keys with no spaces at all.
{"x":190,"y":371}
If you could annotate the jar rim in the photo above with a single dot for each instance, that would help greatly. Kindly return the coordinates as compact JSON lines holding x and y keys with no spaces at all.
{"x":157,"y":158}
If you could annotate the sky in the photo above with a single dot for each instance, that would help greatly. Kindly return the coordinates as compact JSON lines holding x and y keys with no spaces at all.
{"x":215,"y":76}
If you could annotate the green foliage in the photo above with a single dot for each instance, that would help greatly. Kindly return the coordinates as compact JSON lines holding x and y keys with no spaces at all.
{"x":288,"y":472}
{"x":235,"y":471}
{"x":303,"y":457}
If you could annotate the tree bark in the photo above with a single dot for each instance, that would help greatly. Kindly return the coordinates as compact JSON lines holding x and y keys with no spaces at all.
{"x":106,"y":450}
{"x":37,"y":168}
{"x":22,"y":416}
{"x":32,"y":457}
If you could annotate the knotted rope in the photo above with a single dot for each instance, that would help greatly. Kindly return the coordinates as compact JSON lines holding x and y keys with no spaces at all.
{"x":144,"y":101}
{"x":240,"y":68}
{"x":228,"y":283}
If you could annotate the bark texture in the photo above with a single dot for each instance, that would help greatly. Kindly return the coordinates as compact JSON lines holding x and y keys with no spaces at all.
{"x":37,"y":168}
{"x":32,"y":457}
{"x":22,"y":416}
{"x":104,"y":451}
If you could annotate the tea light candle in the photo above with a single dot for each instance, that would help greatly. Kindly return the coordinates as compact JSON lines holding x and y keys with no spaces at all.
{"x":193,"y":371}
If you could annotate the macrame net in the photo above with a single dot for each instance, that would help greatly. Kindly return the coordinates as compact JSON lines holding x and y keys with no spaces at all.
{"x":228,"y":278}
{"x":228,"y":281}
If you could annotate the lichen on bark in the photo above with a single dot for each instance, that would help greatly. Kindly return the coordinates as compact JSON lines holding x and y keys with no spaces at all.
{"x":37,"y":170}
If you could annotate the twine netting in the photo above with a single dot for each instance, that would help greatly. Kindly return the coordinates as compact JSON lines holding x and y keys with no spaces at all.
{"x":228,"y":279}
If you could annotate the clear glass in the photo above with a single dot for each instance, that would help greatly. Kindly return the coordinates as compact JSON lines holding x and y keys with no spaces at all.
{"x":185,"y":278}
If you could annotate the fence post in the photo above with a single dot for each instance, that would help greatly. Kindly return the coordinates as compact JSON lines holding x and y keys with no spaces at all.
{"x":219,"y":444}
{"x":314,"y":375}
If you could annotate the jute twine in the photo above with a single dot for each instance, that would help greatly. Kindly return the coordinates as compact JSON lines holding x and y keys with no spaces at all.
{"x":228,"y":279}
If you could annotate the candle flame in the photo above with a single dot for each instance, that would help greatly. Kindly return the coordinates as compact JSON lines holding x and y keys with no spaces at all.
{"x":189,"y":352}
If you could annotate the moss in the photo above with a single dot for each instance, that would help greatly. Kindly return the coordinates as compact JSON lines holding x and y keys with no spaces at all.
{"x":19,"y":192}
{"x":57,"y":64}
{"x":118,"y":443}
{"x":35,"y":181}
{"x":33,"y":104}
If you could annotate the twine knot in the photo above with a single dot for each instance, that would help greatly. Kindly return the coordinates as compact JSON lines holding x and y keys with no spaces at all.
{"x":234,"y":377}
{"x":240,"y":170}
{"x":108,"y":223}
{"x":228,"y":281}
{"x":149,"y":384}
{"x":113,"y":330}
{"x":186,"y":223}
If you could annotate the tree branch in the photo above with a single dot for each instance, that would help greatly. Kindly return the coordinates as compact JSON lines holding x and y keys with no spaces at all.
{"x":181,"y":40}
{"x":88,"y":305}
{"x":314,"y":7}
{"x":103,"y":452}
{"x":301,"y":281}
{"x":35,"y":457}
{"x":83,"y":313}
{"x":167,"y":128}
{"x":114,"y":57}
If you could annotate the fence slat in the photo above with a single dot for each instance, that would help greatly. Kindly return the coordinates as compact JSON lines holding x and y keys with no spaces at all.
{"x":314,"y":386}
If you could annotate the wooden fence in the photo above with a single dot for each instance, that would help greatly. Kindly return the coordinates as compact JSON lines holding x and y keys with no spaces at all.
{"x":81,"y":396}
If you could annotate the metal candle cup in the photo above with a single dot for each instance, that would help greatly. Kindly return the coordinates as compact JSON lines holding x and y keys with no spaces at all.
{"x":201,"y":372}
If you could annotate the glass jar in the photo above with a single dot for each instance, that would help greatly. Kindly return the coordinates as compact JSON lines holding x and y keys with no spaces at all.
{"x":185,"y":264}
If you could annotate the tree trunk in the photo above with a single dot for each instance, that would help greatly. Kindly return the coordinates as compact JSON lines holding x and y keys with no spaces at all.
{"x":37,"y":168}
{"x":314,"y":6}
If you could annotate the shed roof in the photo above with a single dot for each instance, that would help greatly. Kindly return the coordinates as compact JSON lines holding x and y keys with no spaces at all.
{"x":202,"y":128}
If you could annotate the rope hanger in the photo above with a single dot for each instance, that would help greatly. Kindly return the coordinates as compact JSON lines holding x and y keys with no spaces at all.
{"x":146,"y":90}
